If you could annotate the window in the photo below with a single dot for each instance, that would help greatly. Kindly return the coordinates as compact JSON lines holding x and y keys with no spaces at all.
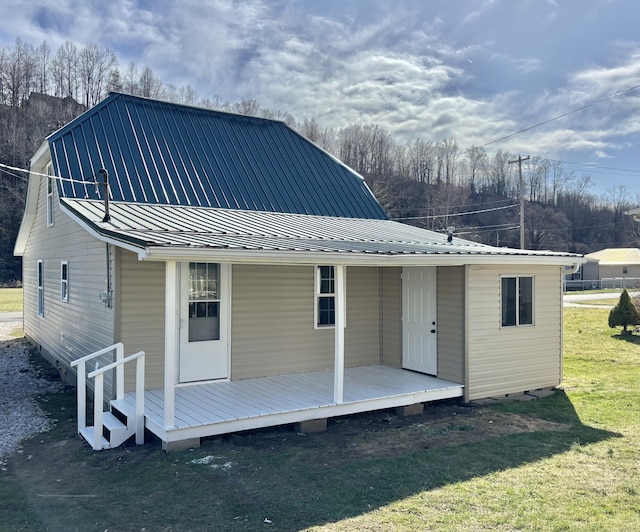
{"x":64,"y":281}
{"x":204,"y":301}
{"x":325,"y":297}
{"x":40,"y":288}
{"x":517,"y":301}
{"x":50,"y":186}
{"x":625,"y":270}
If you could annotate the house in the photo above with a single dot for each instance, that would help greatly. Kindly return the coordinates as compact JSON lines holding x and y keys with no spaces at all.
{"x":613,"y":267}
{"x":262,"y":280}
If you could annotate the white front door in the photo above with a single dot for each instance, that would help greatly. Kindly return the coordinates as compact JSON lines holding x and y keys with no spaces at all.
{"x":419,"y":328}
{"x":204,"y":321}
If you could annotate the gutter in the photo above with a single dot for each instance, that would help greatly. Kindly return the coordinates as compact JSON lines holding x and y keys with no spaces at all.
{"x":244,"y":256}
{"x":570,"y":270}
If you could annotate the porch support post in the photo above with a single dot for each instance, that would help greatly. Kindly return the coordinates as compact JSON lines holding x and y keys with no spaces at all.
{"x":170,"y":341}
{"x":340,"y":314}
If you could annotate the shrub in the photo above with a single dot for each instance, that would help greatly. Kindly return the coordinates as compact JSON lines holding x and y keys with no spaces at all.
{"x":624,"y":313}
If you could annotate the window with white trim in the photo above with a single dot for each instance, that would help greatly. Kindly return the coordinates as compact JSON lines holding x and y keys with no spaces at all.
{"x":325,"y":296}
{"x":64,"y":281}
{"x":50,"y":187}
{"x":40,"y":288}
{"x":517,"y":301}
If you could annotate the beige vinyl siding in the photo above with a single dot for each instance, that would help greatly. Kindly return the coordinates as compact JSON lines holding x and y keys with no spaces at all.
{"x":272,"y":328}
{"x":362,"y":335}
{"x":141,"y":296}
{"x":83,"y":324}
{"x":391,"y":316}
{"x":273,"y":321}
{"x":451,"y":323}
{"x":504,"y":360}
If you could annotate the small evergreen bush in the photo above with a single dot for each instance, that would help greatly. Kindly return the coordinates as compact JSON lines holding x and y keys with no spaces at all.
{"x":624,"y":314}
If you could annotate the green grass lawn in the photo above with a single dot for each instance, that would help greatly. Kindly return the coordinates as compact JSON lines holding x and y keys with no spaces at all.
{"x":10,"y":299}
{"x":566,"y":462}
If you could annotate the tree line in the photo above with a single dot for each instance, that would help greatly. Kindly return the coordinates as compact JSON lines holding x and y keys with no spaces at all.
{"x":436,"y":184}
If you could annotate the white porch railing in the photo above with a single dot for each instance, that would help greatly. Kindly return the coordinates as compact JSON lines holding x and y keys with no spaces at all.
{"x":98,"y":391}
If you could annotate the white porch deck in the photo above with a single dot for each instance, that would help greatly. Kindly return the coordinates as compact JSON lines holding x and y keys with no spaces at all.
{"x":218,"y":408}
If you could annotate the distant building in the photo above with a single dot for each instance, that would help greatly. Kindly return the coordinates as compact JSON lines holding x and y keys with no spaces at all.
{"x":612,"y":263}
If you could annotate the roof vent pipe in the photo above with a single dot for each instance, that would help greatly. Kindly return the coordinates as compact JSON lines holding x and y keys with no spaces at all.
{"x":105,"y":184}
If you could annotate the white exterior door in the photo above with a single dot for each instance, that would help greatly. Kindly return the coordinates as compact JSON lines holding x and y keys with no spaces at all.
{"x":419,"y":328}
{"x":204,"y":321}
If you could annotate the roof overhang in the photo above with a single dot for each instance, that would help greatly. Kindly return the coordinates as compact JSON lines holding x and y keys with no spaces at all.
{"x":166,"y":233}
{"x":37,"y":164}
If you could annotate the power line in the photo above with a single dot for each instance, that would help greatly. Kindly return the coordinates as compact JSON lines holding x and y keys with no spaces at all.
{"x":454,"y":214}
{"x":59,"y":178}
{"x":562,"y":115}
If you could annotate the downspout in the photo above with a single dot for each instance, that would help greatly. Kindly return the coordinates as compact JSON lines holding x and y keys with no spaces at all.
{"x":105,"y":184}
{"x":569,"y":270}
{"x":109,"y":299}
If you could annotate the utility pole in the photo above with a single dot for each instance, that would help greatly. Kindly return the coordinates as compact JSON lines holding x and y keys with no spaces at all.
{"x":521,"y":190}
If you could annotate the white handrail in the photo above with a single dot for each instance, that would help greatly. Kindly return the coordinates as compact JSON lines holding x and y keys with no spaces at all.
{"x":98,"y":375}
{"x":115,"y":364}
{"x":104,"y":351}
{"x":82,"y":379}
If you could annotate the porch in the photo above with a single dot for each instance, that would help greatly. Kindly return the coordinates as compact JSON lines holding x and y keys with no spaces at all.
{"x":218,"y":408}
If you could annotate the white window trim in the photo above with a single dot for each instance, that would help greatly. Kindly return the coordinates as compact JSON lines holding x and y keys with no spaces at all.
{"x":64,"y":281}
{"x":50,"y":189}
{"x":517,"y":277}
{"x":40,"y":282}
{"x":317,"y":295}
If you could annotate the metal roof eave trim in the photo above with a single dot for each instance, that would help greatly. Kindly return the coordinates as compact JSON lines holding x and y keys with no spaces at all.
{"x":101,"y":233}
{"x":244,"y":256}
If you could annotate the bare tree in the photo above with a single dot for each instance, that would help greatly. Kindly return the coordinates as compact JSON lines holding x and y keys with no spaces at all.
{"x":475,"y":158}
{"x":546,"y":227}
{"x":447,"y":151}
{"x":95,"y":63}
{"x":65,"y":71}
{"x":18,"y":73}
{"x":500,"y":175}
{"x":421,"y":157}
{"x":246,"y":107}
{"x":130,"y":79}
{"x":149,"y":85}
{"x":559,"y":179}
{"x":367,"y":149}
{"x":43,"y":65}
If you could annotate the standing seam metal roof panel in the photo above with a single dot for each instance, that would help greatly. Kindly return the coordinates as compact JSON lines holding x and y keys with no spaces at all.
{"x":163,"y":153}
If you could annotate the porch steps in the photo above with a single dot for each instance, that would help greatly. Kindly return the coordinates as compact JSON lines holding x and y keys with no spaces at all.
{"x":118,"y":425}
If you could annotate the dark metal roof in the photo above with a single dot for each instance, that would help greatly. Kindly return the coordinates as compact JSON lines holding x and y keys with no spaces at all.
{"x":168,"y":154}
{"x":191,"y":227}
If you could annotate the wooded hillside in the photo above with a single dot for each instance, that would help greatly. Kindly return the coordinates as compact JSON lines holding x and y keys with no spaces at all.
{"x":432,"y":183}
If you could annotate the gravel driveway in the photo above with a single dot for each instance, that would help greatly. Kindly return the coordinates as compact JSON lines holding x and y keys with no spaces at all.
{"x":20,"y":383}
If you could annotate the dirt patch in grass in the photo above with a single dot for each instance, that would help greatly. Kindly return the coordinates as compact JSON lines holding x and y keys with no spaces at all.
{"x":386,"y":434}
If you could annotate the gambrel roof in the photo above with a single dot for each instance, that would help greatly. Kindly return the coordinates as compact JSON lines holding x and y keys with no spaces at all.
{"x":168,"y":154}
{"x":189,"y":182}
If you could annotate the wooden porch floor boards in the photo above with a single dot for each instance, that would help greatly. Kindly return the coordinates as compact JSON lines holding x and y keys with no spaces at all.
{"x":222,"y":407}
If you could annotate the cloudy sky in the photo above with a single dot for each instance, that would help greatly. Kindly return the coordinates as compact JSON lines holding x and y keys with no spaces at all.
{"x":474,"y":70}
